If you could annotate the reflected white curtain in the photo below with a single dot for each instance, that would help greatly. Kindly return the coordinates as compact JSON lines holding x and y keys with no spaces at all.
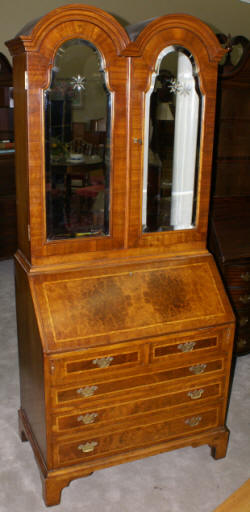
{"x":185,"y":145}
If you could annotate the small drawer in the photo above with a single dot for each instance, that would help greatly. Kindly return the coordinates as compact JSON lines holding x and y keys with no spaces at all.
{"x":101,"y":416}
{"x":238,"y":276}
{"x":71,"y":367}
{"x":71,"y":397}
{"x":89,"y":448}
{"x":183,"y":346}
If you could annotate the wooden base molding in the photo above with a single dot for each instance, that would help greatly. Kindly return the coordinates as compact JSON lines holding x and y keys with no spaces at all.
{"x":53,"y":482}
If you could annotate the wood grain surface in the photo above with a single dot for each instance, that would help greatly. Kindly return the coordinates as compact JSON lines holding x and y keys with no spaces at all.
{"x":239,"y":501}
{"x":125,"y":340}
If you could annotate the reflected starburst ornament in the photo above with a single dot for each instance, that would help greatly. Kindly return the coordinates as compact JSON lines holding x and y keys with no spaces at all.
{"x":179,"y":87}
{"x":78,"y":82}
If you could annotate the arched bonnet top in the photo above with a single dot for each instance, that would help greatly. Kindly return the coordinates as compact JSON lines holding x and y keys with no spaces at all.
{"x":34,"y":33}
{"x":129,"y":42}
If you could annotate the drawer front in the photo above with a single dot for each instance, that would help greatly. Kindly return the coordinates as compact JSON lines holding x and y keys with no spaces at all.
{"x":240,"y":298}
{"x":243,"y":340}
{"x":71,"y":368}
{"x":183,"y":346}
{"x":243,"y":318}
{"x":101,"y":417}
{"x":89,"y":448}
{"x":70,"y":397}
{"x":238,"y":276}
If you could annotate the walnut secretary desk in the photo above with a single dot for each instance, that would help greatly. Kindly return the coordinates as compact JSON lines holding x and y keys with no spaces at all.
{"x":125,"y":331}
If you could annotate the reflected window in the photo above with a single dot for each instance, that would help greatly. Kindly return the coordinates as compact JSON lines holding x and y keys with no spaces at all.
{"x":77,"y":144}
{"x":172,"y":140}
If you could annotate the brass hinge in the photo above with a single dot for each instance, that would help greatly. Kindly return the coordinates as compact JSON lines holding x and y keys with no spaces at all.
{"x":29,"y":232}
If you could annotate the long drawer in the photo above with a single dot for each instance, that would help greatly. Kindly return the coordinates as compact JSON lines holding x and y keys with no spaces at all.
{"x":99,"y":416}
{"x":240,"y":298}
{"x":88,"y":448}
{"x":238,"y":275}
{"x":243,"y":340}
{"x":68,"y":397}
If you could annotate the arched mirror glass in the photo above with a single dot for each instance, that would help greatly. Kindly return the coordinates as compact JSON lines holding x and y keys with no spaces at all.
{"x":172,"y":143}
{"x":77,"y":143}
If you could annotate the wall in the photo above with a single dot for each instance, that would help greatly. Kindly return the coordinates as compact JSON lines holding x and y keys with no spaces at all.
{"x":228,"y":16}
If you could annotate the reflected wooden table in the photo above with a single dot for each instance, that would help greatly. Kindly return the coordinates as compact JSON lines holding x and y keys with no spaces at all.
{"x":86,"y":179}
{"x":82,"y":178}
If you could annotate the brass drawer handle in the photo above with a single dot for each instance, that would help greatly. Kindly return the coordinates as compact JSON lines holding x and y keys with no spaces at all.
{"x":197,"y":368}
{"x":241,"y":342}
{"x":87,"y":418}
{"x":245,"y":276}
{"x":87,"y":391}
{"x":194,"y":421}
{"x":197,"y":393}
{"x":187,"y":347}
{"x":245,"y":299}
{"x":103,"y":362}
{"x":243,"y":321}
{"x":87,"y":447}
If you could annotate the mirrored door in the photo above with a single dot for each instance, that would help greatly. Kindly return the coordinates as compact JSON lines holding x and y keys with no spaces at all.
{"x":77,"y":144}
{"x":172,"y":143}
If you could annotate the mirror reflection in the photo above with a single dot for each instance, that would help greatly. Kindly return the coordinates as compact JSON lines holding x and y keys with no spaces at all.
{"x":77,"y":144}
{"x":172,"y":139}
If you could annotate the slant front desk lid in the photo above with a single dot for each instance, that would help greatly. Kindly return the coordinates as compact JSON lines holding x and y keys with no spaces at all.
{"x":95,"y":307}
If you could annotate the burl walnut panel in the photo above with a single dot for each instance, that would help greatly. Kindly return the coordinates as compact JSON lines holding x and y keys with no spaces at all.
{"x":112,"y":306}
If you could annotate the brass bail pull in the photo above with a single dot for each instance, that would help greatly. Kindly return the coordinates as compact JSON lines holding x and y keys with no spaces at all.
{"x":103,"y":362}
{"x":87,"y":447}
